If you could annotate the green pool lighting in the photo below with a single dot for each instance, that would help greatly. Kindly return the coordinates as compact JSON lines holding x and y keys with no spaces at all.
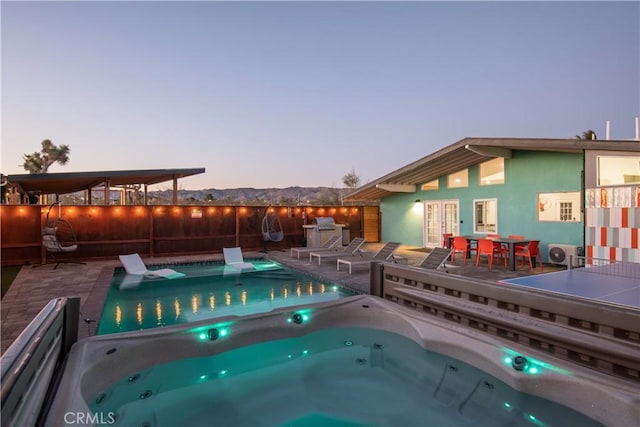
{"x":211,"y":333}
{"x":299,"y":318}
{"x":533,"y":420}
{"x":203,"y":377}
{"x":223,"y":372}
{"x":305,"y":352}
{"x":532,"y":365}
{"x":216,"y":333}
{"x":507,"y":405}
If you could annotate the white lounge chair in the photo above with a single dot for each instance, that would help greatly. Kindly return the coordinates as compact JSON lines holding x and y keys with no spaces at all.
{"x":385,"y":253}
{"x":133,"y":264}
{"x":330,"y":245}
{"x":351,"y":249}
{"x":233,"y":257}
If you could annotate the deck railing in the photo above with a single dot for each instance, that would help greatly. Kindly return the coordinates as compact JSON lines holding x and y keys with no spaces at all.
{"x":596,"y":335}
{"x":31,"y":365}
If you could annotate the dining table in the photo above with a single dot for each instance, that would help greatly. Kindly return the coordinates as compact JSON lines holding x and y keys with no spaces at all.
{"x":509,"y":243}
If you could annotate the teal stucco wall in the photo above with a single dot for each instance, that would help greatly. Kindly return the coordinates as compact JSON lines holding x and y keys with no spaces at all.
{"x":527,"y":173}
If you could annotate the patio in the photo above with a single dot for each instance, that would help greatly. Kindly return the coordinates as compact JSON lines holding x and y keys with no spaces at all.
{"x":34,"y":287}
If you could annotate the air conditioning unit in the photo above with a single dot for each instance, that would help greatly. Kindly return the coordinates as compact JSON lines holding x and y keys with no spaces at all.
{"x":561,"y":254}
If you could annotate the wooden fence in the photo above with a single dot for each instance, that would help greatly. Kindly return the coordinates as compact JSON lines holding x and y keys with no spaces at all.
{"x":103,"y":232}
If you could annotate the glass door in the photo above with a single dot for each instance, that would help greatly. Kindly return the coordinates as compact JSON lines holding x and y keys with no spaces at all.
{"x":440,"y":217}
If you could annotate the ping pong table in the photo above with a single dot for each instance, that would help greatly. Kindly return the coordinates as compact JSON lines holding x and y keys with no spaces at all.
{"x":617,"y":283}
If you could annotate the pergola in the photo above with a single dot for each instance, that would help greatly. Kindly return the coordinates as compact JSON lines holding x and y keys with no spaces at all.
{"x":71,"y":182}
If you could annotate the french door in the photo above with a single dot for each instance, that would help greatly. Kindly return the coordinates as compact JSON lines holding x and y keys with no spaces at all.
{"x":440,"y":217}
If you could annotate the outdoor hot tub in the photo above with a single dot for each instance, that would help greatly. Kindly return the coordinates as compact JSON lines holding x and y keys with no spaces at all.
{"x":360,"y":360}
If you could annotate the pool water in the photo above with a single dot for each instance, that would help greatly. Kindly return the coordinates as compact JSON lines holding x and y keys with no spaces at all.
{"x":332,"y":377}
{"x":208,"y":290}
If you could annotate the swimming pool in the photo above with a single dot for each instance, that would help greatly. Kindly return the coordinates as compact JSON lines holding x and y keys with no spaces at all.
{"x":208,"y":290}
{"x":350,"y":362}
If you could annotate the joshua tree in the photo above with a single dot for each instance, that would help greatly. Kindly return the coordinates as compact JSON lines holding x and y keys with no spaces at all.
{"x":39,"y":162}
{"x":351,"y":180}
{"x":587,"y":135}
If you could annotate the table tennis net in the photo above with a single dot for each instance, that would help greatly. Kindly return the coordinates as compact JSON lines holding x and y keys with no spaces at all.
{"x":608,"y":267}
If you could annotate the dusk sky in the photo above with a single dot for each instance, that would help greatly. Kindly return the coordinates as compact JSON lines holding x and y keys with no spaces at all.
{"x":275,"y":94}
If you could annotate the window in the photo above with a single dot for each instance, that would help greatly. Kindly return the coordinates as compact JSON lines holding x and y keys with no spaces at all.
{"x":618,"y":170}
{"x":431,"y":185}
{"x":458,"y":179}
{"x":492,"y":172}
{"x":564,"y":207}
{"x":485,"y":216}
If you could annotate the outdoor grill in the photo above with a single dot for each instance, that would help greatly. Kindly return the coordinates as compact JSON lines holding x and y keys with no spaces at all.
{"x":325,"y":223}
{"x":324,"y":228}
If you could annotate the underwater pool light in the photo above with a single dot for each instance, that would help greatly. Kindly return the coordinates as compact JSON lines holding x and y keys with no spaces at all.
{"x":533,"y":420}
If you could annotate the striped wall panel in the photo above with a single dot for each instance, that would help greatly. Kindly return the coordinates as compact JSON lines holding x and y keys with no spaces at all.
{"x":612,"y":223}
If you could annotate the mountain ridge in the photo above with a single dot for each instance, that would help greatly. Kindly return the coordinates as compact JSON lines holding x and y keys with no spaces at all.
{"x":270,"y":195}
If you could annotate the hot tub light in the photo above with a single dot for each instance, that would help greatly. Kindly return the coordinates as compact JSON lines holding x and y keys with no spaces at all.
{"x":299,"y":318}
{"x":214,"y":334}
{"x":507,"y":405}
{"x":519,"y":363}
{"x":305,"y":352}
{"x":507,"y":360}
{"x":533,"y":370}
{"x":532,"y":419}
{"x":223,"y":372}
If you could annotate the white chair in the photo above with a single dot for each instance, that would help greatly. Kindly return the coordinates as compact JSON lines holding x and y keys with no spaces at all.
{"x":330,"y":245}
{"x":133,"y":264}
{"x":233,"y":257}
{"x":351,"y":249}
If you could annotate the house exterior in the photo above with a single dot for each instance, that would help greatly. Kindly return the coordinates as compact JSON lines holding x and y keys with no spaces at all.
{"x":576,"y":193}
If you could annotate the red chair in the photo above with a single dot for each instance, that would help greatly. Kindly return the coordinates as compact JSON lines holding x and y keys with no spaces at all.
{"x":502,"y":250}
{"x":532,"y":250}
{"x":445,"y":239}
{"x":518,"y":237}
{"x":487,"y":247}
{"x":460,"y":244}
